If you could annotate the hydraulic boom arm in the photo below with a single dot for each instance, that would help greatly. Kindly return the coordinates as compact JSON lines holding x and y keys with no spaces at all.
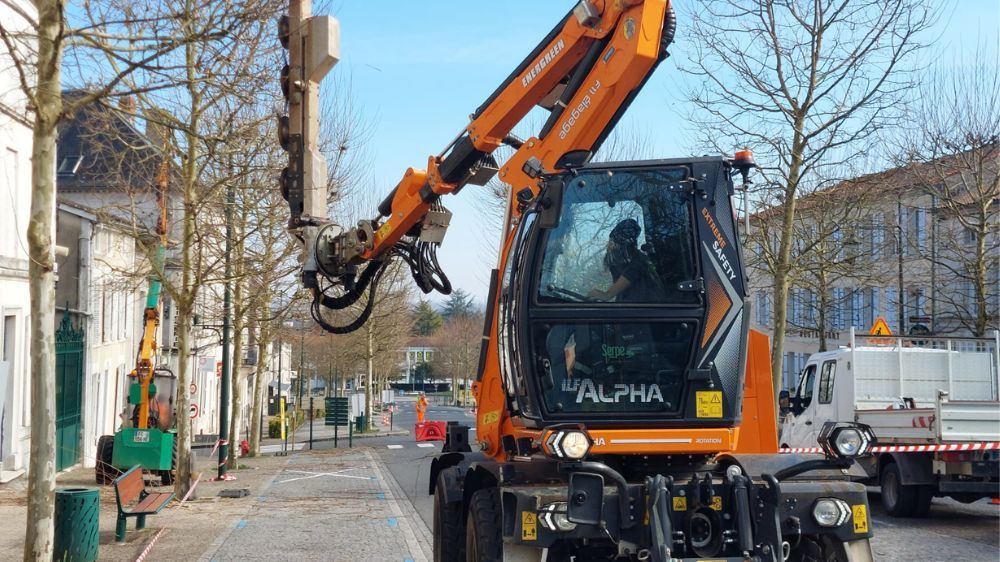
{"x":585,"y":72}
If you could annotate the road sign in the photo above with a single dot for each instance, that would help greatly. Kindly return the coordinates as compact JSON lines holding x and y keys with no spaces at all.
{"x":337,"y":411}
{"x":880,"y":328}
{"x":193,"y":389}
{"x":194,"y":410}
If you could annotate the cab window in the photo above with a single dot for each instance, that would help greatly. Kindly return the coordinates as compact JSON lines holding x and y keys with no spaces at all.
{"x":826,"y":382}
{"x":805,"y":392}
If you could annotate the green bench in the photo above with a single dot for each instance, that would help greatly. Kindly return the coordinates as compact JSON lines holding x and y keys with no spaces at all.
{"x":134,"y":501}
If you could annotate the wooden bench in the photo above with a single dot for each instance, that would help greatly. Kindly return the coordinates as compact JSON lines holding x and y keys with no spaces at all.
{"x":135,"y":501}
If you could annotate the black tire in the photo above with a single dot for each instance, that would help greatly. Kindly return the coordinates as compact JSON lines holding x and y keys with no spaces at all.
{"x":449,"y":526}
{"x":818,"y":549}
{"x":483,"y":542}
{"x":922,"y":505}
{"x":167,"y":476}
{"x":898,"y":499}
{"x":103,"y":471}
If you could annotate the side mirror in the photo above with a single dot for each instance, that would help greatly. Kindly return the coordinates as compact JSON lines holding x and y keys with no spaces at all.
{"x":550,"y":203}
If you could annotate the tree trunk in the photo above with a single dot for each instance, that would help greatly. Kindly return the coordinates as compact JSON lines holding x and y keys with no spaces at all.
{"x":259,"y":386}
{"x":369,"y":379}
{"x":41,"y":281}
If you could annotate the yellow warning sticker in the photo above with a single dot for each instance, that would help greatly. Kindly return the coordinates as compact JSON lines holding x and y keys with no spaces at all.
{"x":491,"y":417}
{"x":680,"y":503}
{"x":529,"y":526}
{"x":860,"y":513}
{"x":717,"y":503}
{"x":709,"y":404}
{"x":382,"y":231}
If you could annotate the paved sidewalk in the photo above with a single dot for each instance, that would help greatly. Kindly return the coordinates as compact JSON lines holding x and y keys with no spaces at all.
{"x":328,"y":505}
{"x":340,"y":504}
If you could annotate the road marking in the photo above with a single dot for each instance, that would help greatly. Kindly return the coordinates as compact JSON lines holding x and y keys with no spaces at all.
{"x":241,"y":524}
{"x":392,"y":521}
{"x":311,"y":475}
{"x":425,"y":445}
{"x":394,"y":446}
{"x":277,"y":448}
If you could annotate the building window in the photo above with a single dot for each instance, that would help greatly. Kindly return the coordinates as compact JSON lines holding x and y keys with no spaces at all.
{"x":873,"y":306}
{"x":763,"y":308}
{"x":971,"y":303}
{"x":857,"y":308}
{"x":837,"y":308}
{"x":892,"y":309}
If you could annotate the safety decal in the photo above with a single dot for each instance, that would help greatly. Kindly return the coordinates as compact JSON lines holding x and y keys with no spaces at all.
{"x":491,"y":417}
{"x":860,"y":513}
{"x":709,"y":404}
{"x":717,"y":503}
{"x":529,"y":526}
{"x":383,"y":231}
{"x":680,"y":503}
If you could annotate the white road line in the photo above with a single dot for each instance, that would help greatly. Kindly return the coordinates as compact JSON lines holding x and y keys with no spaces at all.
{"x":425,"y":444}
{"x":277,"y":448}
{"x":394,"y":446}
{"x":410,"y":523}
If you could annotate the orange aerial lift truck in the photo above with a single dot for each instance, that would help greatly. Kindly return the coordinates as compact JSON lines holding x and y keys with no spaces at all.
{"x":625,"y":409}
{"x":147,"y":437}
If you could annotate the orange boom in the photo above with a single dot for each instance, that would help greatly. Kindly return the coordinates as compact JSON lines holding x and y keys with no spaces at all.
{"x":624,"y":407}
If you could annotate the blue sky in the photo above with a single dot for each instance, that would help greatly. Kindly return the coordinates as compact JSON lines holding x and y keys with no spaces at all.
{"x":417,"y":70}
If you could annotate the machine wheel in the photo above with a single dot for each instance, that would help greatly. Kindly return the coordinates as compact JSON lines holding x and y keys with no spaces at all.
{"x":449,"y":526}
{"x":483,"y":542}
{"x":818,"y":549}
{"x":104,"y":472}
{"x":167,"y":476}
{"x":898,"y":499}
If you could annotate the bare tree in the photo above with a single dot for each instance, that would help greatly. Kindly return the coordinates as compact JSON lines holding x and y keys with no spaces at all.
{"x":458,"y":344}
{"x":951,"y":150}
{"x":805,"y":84}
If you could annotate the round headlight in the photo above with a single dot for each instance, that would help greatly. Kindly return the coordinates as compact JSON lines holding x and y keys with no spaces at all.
{"x":826,"y":513}
{"x":575,"y":444}
{"x":849,"y":442}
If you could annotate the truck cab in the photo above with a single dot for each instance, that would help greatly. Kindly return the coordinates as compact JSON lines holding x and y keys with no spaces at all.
{"x":815,"y":399}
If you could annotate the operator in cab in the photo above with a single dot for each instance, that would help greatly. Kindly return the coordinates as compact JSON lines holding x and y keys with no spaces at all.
{"x":633,"y":276}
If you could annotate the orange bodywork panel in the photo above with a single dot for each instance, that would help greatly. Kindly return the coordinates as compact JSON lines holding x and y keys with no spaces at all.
{"x":759,"y":429}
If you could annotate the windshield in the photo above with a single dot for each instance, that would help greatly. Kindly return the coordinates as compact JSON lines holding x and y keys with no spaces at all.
{"x":613,"y":366}
{"x":624,"y":237}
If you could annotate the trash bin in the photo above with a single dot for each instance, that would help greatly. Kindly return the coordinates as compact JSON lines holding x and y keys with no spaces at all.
{"x":77,"y":513}
{"x":359,"y":423}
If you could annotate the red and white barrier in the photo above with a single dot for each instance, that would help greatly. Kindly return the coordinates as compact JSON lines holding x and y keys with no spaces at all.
{"x":908,"y":448}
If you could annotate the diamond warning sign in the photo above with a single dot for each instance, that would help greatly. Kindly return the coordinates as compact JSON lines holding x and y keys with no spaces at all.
{"x":709,"y":404}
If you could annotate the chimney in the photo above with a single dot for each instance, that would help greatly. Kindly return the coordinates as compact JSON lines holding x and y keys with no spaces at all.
{"x":127,"y":106}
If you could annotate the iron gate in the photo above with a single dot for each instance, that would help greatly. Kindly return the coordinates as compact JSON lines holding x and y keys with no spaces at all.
{"x":69,"y":392}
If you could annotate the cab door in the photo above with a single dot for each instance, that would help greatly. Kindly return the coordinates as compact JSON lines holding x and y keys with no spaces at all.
{"x":799,"y":423}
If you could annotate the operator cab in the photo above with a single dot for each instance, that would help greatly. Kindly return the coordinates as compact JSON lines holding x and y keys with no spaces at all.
{"x":629,"y":282}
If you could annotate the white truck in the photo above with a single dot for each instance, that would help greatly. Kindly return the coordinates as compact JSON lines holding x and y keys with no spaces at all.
{"x":931,"y":402}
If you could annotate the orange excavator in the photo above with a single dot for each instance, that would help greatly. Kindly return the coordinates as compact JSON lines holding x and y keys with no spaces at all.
{"x":625,"y":409}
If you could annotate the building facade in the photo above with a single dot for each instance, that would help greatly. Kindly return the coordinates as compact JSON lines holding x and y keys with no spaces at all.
{"x":880,"y":246}
{"x":15,"y":199}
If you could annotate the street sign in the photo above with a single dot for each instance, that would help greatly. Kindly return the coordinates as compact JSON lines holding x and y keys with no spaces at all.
{"x":193,"y":389}
{"x":880,"y":328}
{"x":194,"y":410}
{"x":337,"y":412}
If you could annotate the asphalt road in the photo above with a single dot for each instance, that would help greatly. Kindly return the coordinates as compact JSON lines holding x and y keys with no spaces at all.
{"x":955,"y":531}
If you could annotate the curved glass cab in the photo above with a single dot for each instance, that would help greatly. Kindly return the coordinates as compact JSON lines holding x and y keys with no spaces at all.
{"x":624,"y":280}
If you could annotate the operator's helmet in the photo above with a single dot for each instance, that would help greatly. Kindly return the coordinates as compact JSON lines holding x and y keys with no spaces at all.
{"x":626,"y":233}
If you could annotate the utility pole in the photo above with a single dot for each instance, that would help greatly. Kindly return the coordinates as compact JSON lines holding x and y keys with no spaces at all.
{"x":227,"y":363}
{"x":313,"y":44}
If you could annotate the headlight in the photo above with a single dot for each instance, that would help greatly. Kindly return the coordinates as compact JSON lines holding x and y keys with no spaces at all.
{"x":830,"y":512}
{"x":567,"y":444}
{"x":846,"y":440}
{"x":553,"y":517}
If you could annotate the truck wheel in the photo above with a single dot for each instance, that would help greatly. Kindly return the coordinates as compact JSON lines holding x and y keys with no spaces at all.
{"x":103,"y":470}
{"x":898,"y":499}
{"x":818,"y":549}
{"x":449,"y":526}
{"x":922,"y":505}
{"x":482,"y":529}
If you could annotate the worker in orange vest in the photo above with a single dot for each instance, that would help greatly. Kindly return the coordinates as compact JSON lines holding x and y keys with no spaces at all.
{"x":421,"y":407}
